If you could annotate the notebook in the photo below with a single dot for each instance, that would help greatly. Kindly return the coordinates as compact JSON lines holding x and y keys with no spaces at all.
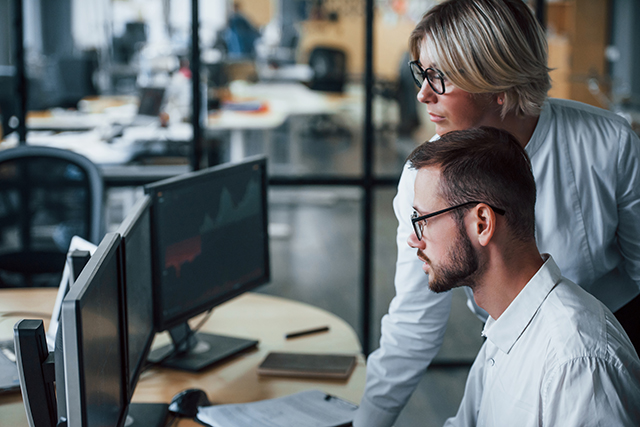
{"x":334,"y":366}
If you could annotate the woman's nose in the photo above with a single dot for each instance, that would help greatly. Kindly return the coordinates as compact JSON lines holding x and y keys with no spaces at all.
{"x":426,"y":95}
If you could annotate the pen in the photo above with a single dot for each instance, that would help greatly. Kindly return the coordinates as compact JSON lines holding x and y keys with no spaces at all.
{"x":306,"y":332}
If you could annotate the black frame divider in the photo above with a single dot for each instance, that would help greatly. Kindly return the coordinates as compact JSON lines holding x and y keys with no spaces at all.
{"x":21,"y":75}
{"x":196,"y":93}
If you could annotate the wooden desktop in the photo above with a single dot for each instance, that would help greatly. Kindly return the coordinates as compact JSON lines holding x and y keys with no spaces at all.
{"x":263,"y":317}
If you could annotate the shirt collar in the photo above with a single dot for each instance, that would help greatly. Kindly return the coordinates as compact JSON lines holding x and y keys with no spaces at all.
{"x":540,"y":133}
{"x":505,"y":331}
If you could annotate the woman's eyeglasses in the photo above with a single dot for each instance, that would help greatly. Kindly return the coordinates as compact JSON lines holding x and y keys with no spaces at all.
{"x":432,"y":75}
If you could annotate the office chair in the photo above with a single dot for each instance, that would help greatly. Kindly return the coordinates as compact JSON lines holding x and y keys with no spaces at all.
{"x":8,"y":102}
{"x":329,"y":69}
{"x":47,"y":195}
{"x":76,"y":78}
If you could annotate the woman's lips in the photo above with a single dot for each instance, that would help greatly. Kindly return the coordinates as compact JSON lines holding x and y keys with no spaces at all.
{"x":435,"y":118}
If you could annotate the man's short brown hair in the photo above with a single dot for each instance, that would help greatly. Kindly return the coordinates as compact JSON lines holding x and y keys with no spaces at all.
{"x":488,"y":165}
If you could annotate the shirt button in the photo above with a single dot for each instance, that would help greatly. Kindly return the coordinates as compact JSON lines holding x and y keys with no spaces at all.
{"x":492,"y":362}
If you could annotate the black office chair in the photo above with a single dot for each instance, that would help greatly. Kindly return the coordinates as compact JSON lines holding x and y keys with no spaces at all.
{"x":47,"y":195}
{"x":329,"y":67}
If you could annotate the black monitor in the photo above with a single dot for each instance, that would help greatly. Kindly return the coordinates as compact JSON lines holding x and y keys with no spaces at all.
{"x":209,"y":244}
{"x":36,"y":370}
{"x":95,"y":375}
{"x":135,"y":232}
{"x":135,"y":247}
{"x":151,"y":101}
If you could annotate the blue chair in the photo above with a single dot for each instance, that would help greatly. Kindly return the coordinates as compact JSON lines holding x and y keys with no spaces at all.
{"x":47,"y":195}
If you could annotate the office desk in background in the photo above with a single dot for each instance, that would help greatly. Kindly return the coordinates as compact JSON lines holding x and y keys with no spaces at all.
{"x":276,"y":102}
{"x":91,"y":132}
{"x":251,"y":315}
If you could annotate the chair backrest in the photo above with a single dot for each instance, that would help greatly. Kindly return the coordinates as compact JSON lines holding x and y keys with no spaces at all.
{"x":47,"y":195}
{"x":329,"y":67}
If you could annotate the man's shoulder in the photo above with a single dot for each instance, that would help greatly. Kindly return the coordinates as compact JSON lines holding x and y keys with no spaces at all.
{"x":579,"y":326}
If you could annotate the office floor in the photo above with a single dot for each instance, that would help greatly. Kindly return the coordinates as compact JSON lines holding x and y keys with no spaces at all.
{"x":315,"y":245}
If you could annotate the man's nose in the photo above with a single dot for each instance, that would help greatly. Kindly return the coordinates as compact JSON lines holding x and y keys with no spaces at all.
{"x":413,"y":241}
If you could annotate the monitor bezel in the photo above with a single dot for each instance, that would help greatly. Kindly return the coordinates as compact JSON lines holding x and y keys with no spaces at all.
{"x":75,"y":391}
{"x":128,"y":225}
{"x":153,"y":189}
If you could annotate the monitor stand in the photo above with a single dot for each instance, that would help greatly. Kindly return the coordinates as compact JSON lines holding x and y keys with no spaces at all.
{"x":198,"y":351}
{"x":147,"y":415}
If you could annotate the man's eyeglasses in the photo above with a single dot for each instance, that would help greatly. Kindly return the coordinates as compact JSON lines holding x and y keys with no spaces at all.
{"x":419,"y":222}
{"x":433,"y":76}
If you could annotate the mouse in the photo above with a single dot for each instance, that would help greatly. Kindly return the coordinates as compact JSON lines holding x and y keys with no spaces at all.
{"x":187,"y":401}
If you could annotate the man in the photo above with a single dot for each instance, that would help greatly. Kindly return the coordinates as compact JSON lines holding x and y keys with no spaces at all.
{"x":484,"y":63}
{"x":554,"y":354}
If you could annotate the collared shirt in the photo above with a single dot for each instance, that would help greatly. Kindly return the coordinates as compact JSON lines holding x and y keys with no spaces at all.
{"x":586,"y":163}
{"x":555,"y":357}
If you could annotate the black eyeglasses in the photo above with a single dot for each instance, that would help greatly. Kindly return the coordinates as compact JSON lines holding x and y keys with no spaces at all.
{"x":433,"y":76}
{"x":419,"y":222}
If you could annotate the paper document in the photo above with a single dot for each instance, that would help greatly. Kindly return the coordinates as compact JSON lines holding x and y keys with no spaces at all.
{"x":312,"y":408}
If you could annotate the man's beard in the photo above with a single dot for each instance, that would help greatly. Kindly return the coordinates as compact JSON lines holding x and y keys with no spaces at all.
{"x":462,"y":267}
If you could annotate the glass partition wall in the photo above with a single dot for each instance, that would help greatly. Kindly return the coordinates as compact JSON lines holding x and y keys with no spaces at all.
{"x":320,"y":86}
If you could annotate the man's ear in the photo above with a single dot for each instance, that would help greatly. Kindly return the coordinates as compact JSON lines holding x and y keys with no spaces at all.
{"x":484,"y":223}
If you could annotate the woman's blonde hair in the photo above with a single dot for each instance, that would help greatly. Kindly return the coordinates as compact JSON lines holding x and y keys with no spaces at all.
{"x":488,"y":46}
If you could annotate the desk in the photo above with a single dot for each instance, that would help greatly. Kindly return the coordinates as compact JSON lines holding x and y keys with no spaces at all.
{"x":250,"y":315}
{"x":281,"y":100}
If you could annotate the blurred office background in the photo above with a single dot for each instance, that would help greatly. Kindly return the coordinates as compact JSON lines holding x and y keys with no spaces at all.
{"x":112,"y":80}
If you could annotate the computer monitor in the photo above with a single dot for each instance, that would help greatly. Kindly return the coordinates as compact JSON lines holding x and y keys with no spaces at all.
{"x":150,"y":101}
{"x":36,"y":370}
{"x":93,"y":343}
{"x":135,"y":248}
{"x":209,"y":244}
{"x":135,"y":232}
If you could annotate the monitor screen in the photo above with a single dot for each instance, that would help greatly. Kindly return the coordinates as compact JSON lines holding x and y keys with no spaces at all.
{"x":209,"y":238}
{"x":135,"y":231}
{"x":94,"y":354}
{"x":150,"y":101}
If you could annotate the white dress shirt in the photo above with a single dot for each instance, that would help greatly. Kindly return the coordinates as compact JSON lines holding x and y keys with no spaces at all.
{"x":555,"y":357}
{"x":586,"y":163}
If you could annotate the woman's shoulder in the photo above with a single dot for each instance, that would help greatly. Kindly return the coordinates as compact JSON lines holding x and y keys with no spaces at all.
{"x":581,"y":113}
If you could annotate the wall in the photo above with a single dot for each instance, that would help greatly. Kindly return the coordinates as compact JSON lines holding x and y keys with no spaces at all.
{"x":577,"y":42}
{"x":390,"y":42}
